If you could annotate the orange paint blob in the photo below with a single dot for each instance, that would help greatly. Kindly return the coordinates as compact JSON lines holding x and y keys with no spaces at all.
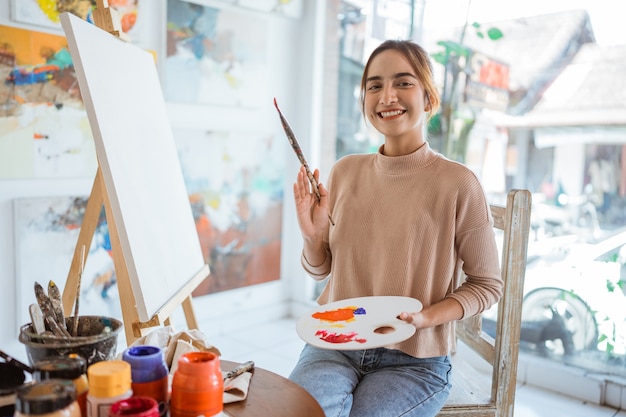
{"x":340,"y":314}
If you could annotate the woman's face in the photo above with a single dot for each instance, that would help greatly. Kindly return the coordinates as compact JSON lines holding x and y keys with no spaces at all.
{"x":394,"y":99}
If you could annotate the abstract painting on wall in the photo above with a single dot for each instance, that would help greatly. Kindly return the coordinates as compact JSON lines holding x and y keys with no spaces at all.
{"x":215,"y":57}
{"x":288,"y":8}
{"x":46,"y":233}
{"x":44,"y":130}
{"x":46,"y":12}
{"x":235,"y":185}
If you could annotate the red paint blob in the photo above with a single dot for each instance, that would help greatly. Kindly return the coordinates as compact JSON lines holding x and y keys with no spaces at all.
{"x":339,"y":337}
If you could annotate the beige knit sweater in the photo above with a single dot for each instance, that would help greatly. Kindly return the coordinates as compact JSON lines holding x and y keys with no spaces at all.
{"x":417,"y":225}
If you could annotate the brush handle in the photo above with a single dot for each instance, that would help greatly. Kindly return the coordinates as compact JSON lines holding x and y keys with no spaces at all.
{"x":298,"y":150}
{"x":10,"y":359}
{"x":235,"y":372}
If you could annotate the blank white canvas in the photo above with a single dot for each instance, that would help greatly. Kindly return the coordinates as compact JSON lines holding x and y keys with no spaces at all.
{"x":139,"y":161}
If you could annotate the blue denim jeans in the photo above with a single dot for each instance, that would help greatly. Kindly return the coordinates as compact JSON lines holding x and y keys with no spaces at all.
{"x":373,"y":383}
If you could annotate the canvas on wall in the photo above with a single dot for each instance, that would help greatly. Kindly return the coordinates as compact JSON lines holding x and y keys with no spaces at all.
{"x":46,"y":234}
{"x":44,"y":130}
{"x":235,"y":184}
{"x":215,"y":57}
{"x":287,"y":8}
{"x":46,"y":12}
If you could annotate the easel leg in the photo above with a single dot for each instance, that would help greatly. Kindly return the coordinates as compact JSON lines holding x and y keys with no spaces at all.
{"x":87,"y":230}
{"x":133,"y":328}
{"x":190,"y":315}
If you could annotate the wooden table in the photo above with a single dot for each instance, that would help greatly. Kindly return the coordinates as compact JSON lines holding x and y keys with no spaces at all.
{"x":270,"y":394}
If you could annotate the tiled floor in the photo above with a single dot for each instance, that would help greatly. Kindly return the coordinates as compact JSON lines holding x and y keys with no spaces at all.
{"x":275,"y":346}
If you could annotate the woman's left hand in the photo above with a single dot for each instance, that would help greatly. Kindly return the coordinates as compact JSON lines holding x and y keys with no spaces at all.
{"x":416,"y":319}
{"x":433,"y":315}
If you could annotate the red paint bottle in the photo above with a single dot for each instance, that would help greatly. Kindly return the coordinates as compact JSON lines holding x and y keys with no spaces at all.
{"x":135,"y":407}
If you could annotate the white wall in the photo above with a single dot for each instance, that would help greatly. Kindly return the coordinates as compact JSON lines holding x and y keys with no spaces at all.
{"x":292,"y":71}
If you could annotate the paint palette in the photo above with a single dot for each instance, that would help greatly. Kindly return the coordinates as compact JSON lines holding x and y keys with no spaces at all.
{"x":358,"y":323}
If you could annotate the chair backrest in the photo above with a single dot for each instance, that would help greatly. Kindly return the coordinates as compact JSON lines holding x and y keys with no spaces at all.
{"x":502,"y":351}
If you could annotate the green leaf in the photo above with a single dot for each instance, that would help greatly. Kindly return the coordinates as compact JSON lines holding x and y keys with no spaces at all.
{"x":434,"y":124}
{"x":476,"y":25}
{"x":440,"y":57}
{"x":454,"y":47}
{"x":480,"y":35}
{"x":494,"y":34}
{"x":610,"y":286}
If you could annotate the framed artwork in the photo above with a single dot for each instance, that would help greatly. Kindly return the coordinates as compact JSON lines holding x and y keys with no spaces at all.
{"x":235,"y":185}
{"x":215,"y":57}
{"x":287,"y":8}
{"x":46,"y":233}
{"x":44,"y":130}
{"x":46,"y":12}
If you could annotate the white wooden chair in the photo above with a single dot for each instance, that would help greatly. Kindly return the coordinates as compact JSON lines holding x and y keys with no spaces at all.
{"x":475,"y":393}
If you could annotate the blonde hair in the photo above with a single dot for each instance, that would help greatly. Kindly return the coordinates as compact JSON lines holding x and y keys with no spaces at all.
{"x":420,"y":62}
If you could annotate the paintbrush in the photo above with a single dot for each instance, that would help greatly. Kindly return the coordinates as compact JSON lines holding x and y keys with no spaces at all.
{"x":57,"y":308}
{"x":15,"y":362}
{"x":298,"y":150}
{"x":47,"y":310}
{"x":235,"y":372}
{"x":80,"y":278}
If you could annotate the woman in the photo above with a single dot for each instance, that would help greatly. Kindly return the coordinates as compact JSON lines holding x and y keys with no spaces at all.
{"x":407,"y":222}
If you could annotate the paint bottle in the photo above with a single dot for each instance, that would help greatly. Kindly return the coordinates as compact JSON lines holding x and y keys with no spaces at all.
{"x":109,"y":382}
{"x":11,"y":378}
{"x":197,"y":386}
{"x":49,"y":398}
{"x":135,"y":407}
{"x":72,"y":367}
{"x":149,"y":374}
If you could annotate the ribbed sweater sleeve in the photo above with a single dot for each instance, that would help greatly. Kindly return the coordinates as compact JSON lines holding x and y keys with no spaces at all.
{"x":417,"y":225}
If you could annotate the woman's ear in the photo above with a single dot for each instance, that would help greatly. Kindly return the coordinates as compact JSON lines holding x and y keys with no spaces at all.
{"x":428,"y":107}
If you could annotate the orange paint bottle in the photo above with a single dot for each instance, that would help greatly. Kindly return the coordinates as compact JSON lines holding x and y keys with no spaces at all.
{"x":197,"y":386}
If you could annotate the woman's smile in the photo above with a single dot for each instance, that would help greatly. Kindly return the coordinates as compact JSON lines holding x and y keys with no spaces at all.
{"x":391,"y":114}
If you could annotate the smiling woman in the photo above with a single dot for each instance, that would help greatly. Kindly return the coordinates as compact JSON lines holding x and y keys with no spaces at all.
{"x":405,"y":194}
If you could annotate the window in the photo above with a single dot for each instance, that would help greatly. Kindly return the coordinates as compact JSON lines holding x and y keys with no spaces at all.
{"x":533,"y":137}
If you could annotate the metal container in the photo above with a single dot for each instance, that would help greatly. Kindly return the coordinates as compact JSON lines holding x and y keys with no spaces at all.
{"x":96,"y":340}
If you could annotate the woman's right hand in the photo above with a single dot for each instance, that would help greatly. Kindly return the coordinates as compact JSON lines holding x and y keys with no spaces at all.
{"x":312,"y":216}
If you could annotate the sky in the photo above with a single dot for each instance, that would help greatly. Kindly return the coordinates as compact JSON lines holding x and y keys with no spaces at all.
{"x":606,"y":16}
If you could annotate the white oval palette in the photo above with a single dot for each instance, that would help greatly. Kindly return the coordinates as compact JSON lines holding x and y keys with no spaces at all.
{"x":358,"y":323}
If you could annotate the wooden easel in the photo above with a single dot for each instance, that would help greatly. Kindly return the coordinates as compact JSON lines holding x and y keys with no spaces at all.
{"x":134,"y":327}
{"x":108,"y":19}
